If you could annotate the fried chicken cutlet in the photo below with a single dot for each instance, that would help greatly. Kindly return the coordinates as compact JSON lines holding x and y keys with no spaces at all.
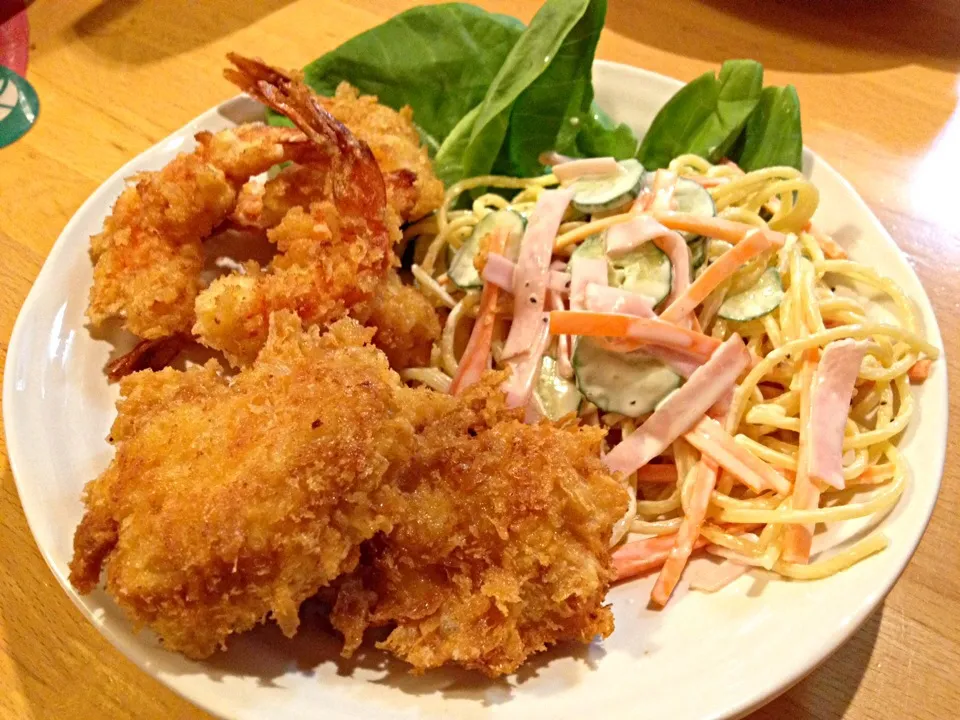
{"x":500,"y":547}
{"x":233,"y":500}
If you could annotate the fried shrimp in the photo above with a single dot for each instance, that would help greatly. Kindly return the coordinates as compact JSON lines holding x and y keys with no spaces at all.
{"x":406,"y":323}
{"x":500,"y":546}
{"x":149,"y":255}
{"x":332,"y":254}
{"x":413,"y":189}
{"x":231,"y":501}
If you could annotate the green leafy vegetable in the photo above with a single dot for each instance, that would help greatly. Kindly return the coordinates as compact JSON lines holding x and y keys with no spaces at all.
{"x":549,"y":113}
{"x":600,"y":136}
{"x":773,"y":135}
{"x":541,"y":84}
{"x":705,"y":117}
{"x":439,"y":59}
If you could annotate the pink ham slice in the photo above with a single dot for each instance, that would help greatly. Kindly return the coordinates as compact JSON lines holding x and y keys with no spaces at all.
{"x":683,"y":409}
{"x":833,"y":385}
{"x":531,"y":277}
{"x":569,"y":171}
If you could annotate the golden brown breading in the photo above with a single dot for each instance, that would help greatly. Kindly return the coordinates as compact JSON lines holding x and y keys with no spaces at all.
{"x":148,"y":258}
{"x":406,"y":323}
{"x":394,"y":140}
{"x":332,"y":255}
{"x":500,"y":548}
{"x":231,"y":500}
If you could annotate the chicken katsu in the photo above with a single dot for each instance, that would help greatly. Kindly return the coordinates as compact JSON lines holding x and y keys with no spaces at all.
{"x":472,"y":537}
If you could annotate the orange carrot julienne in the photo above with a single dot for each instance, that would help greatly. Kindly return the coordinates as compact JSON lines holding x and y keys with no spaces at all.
{"x":706,"y":180}
{"x":641,"y":556}
{"x":644,"y":331}
{"x":920,"y":370}
{"x":689,"y":532}
{"x":477,"y":353}
{"x":829,"y":246}
{"x":660,"y":473}
{"x":730,"y":230}
{"x":725,"y":266}
{"x":798,"y":539}
{"x":714,"y":442}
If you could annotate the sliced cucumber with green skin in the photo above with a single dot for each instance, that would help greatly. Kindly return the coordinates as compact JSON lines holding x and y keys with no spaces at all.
{"x":556,"y":396}
{"x":631,"y":384}
{"x":754,"y":302}
{"x":698,"y":253}
{"x":689,"y":197}
{"x":602,"y":193}
{"x":646,"y":271}
{"x":462,"y":270}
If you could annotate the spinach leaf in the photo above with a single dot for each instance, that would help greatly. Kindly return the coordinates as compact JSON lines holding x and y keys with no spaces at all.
{"x":532,"y":56}
{"x":599,"y":136}
{"x":773,"y":135}
{"x":448,"y":162}
{"x":549,"y":114}
{"x":705,"y":117}
{"x":439,"y":59}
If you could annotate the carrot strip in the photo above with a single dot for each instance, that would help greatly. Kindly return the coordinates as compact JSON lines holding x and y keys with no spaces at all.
{"x":661,"y":473}
{"x":920,"y":370}
{"x":829,"y":246}
{"x":643,"y":331}
{"x":476,"y":356}
{"x":725,"y":266}
{"x":706,"y":180}
{"x":689,"y":532}
{"x":798,"y":539}
{"x":714,"y":442}
{"x":641,"y":556}
{"x":722,"y":229}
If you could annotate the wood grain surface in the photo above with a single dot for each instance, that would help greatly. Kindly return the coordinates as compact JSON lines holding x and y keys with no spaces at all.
{"x":878,"y":83}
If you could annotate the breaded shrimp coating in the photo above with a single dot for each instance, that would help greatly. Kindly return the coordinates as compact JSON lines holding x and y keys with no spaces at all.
{"x":149,"y":255}
{"x":406,"y":323}
{"x":332,"y":255}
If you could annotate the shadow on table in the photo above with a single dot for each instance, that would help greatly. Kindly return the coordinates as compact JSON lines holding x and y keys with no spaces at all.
{"x":826,"y":693}
{"x":820,"y":36}
{"x":137,"y":32}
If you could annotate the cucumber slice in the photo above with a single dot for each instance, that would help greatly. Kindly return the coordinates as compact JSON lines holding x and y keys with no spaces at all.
{"x":764,"y":297}
{"x":698,"y":253}
{"x":593,"y":194}
{"x":555,"y":396}
{"x":627,"y":383}
{"x":646,"y":271}
{"x":690,"y":197}
{"x":462,"y":270}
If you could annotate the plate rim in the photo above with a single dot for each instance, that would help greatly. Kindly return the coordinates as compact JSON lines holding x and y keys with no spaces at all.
{"x":797,"y":670}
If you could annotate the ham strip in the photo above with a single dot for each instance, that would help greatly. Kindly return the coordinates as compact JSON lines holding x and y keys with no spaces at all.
{"x":583,"y":273}
{"x":500,"y":271}
{"x":525,"y":368}
{"x":628,"y":236}
{"x":602,"y":298}
{"x":683,"y":409}
{"x":833,"y":385}
{"x":533,"y":270}
{"x":569,"y":171}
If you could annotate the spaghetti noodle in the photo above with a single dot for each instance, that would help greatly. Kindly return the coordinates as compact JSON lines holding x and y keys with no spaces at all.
{"x":827,"y":299}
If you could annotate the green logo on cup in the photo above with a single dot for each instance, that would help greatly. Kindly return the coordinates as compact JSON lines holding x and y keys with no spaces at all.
{"x":18,"y":106}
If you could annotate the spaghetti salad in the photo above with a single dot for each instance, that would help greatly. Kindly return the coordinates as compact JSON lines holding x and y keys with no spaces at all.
{"x":729,"y":346}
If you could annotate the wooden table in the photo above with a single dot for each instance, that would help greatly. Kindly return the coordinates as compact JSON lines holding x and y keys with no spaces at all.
{"x":878,"y":83}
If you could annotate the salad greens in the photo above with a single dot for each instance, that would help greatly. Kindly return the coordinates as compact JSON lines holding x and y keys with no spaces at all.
{"x":490,"y":95}
{"x":772,"y":135}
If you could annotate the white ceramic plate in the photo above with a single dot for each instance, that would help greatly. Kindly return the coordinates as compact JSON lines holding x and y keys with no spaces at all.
{"x":705,"y":656}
